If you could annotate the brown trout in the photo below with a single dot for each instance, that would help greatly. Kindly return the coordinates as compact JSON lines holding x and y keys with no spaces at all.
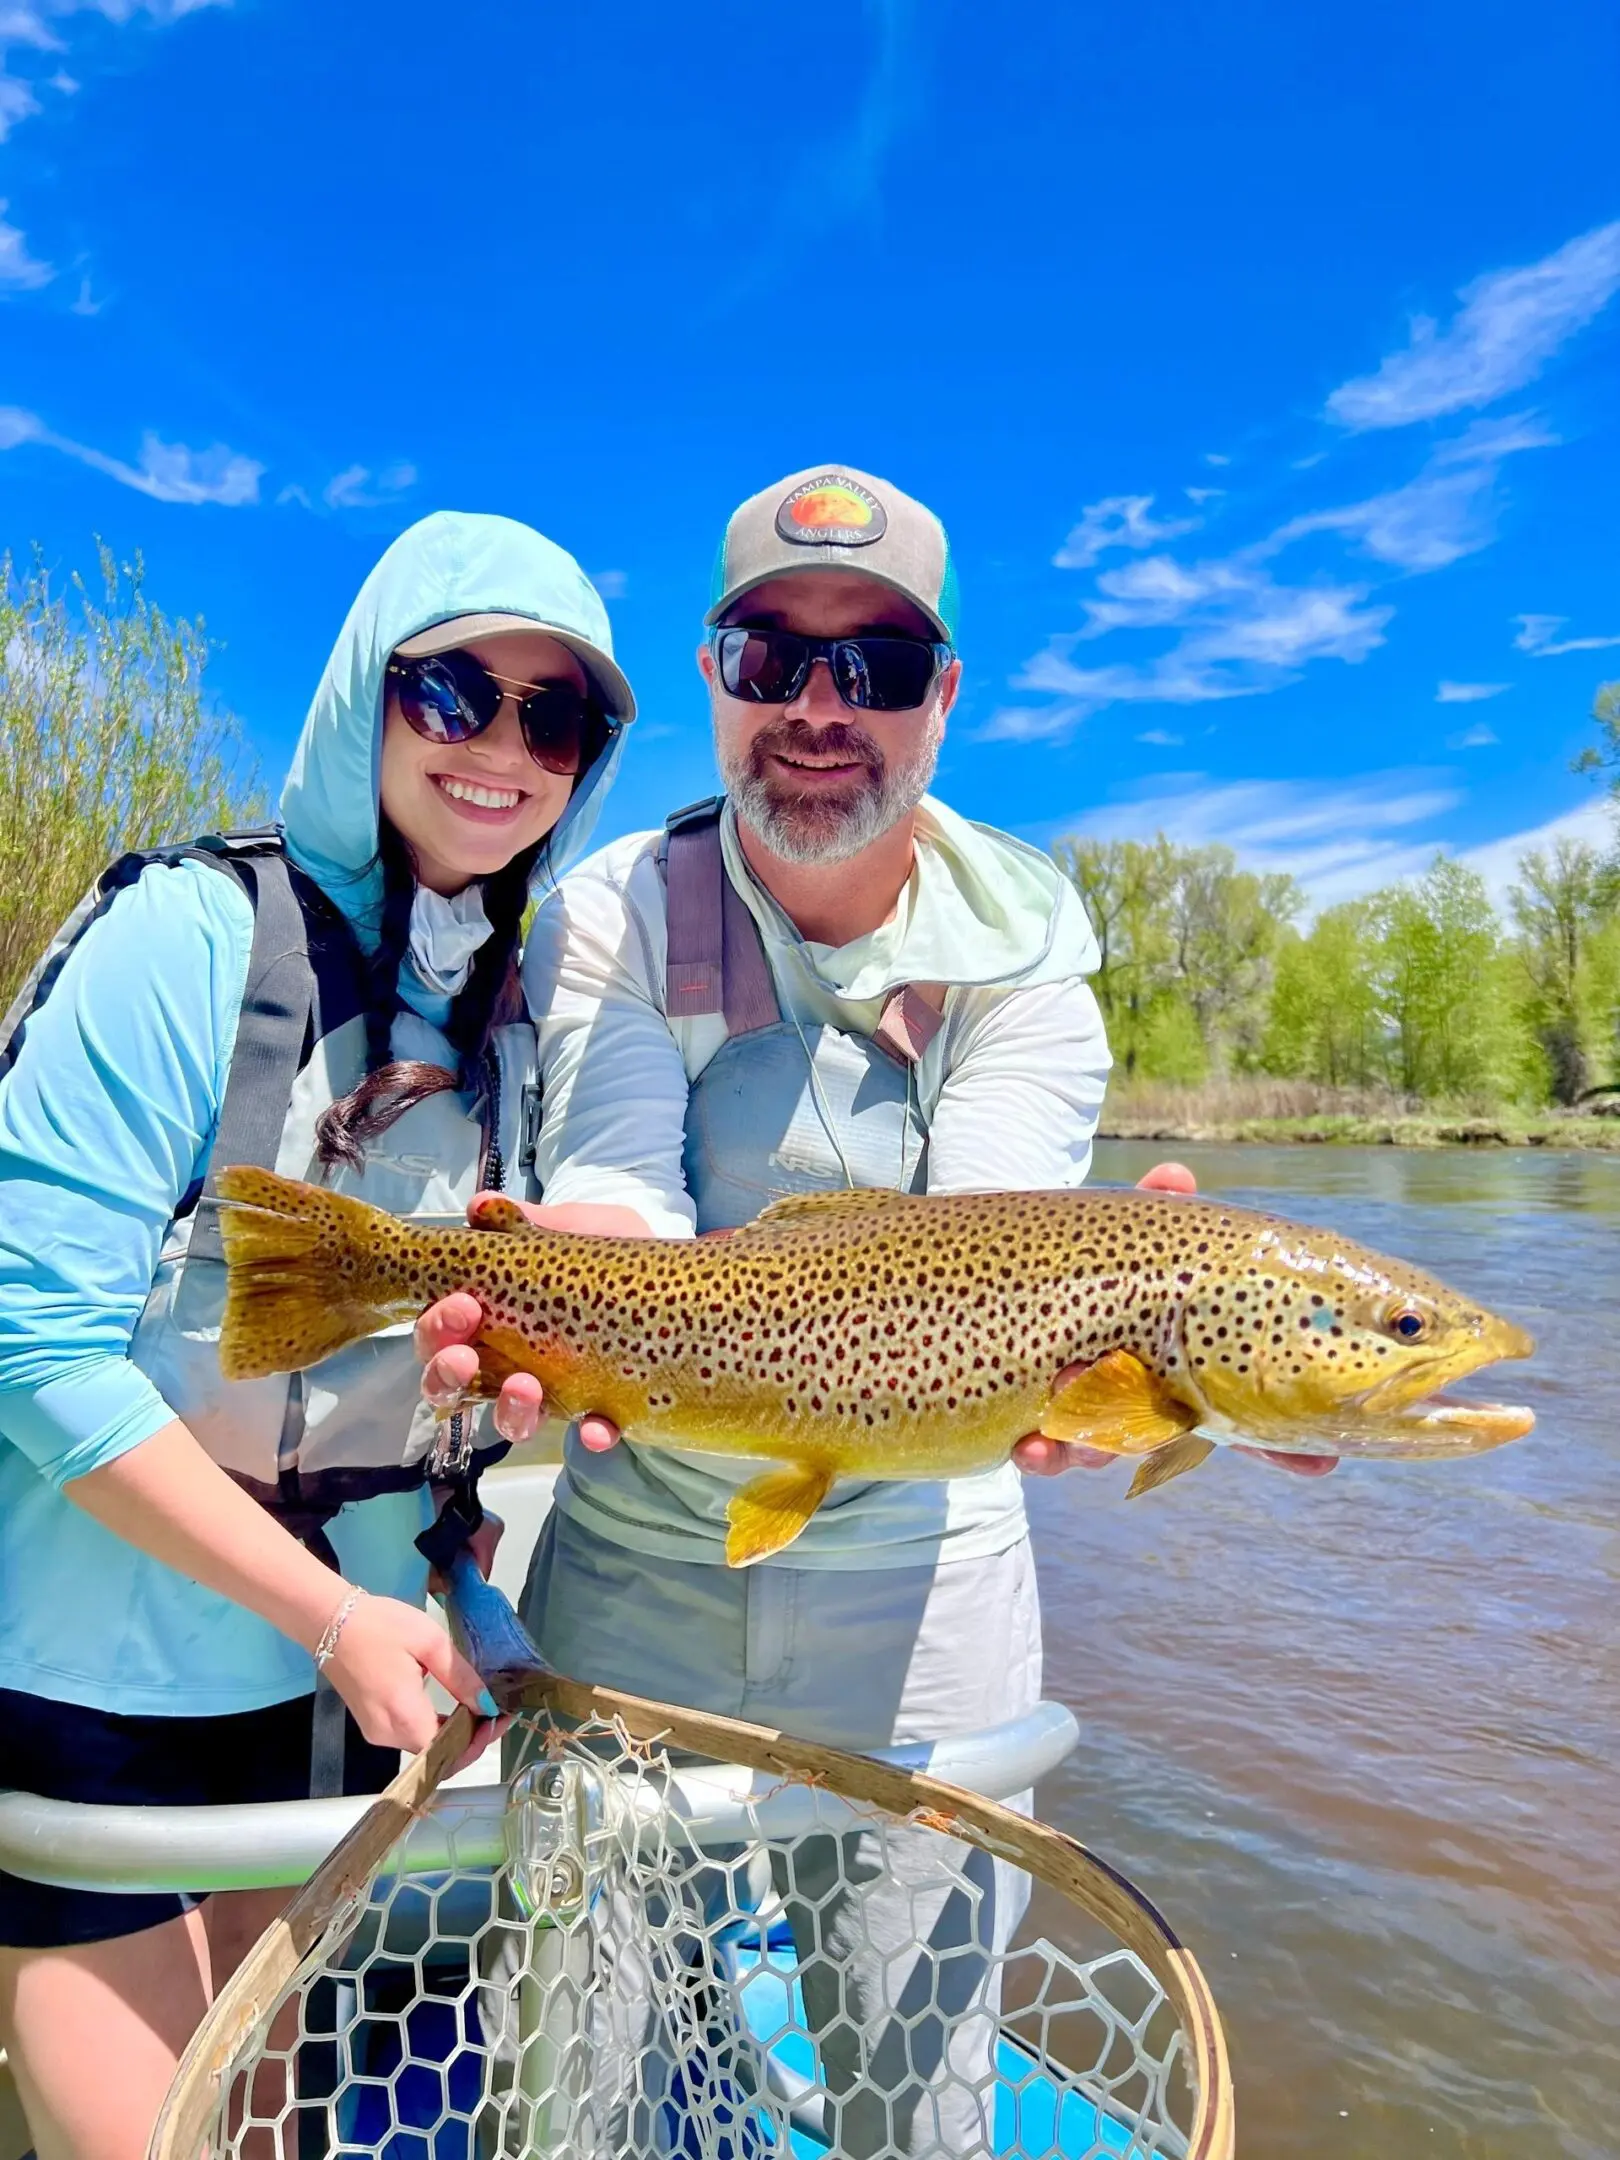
{"x":879,"y":1335}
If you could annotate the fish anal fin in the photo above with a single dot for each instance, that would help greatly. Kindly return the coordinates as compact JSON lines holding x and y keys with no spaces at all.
{"x":824,"y":1207}
{"x":1171,"y":1461}
{"x":769,"y":1512}
{"x":499,"y":1357}
{"x":1116,"y":1404}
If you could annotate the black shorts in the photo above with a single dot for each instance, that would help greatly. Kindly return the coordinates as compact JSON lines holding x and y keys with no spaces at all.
{"x":66,"y":1752}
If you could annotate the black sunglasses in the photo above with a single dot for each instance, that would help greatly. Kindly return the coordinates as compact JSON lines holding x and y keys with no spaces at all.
{"x":873,"y":674}
{"x":450,"y":697}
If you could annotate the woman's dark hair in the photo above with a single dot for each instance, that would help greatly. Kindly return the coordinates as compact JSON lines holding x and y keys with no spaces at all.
{"x":490,"y":996}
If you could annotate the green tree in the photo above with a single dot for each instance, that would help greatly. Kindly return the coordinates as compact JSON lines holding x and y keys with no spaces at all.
{"x":107,"y":742}
{"x":1560,"y":906}
{"x":1225,"y":928}
{"x":1324,"y":1023}
{"x":1437,"y":980}
{"x":1127,"y":887}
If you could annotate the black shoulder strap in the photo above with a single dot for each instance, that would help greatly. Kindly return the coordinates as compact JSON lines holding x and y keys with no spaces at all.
{"x":277,"y":1002}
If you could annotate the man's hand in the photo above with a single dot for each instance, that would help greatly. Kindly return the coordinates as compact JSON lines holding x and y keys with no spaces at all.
{"x":445,"y":1331}
{"x":1039,"y":1457}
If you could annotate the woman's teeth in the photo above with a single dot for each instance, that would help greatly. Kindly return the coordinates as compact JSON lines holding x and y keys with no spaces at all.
{"x":486,"y":798}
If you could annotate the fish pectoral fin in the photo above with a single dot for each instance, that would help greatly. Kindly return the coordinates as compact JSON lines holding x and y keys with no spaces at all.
{"x":1116,"y":1404}
{"x":1169,"y":1462}
{"x":769,"y":1512}
{"x":496,"y":1212}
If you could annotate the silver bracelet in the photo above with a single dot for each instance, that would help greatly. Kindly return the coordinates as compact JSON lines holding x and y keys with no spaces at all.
{"x":334,"y":1628}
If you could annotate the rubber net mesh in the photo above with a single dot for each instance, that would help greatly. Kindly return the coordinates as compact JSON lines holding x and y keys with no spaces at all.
{"x":635,"y":1972}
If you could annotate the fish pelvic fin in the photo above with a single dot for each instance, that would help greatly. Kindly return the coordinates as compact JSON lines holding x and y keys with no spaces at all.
{"x":769,"y":1512}
{"x":304,"y":1272}
{"x":1169,"y":1462}
{"x":1116,"y":1404}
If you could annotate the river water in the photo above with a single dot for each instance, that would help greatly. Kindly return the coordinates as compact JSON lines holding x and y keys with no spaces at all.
{"x":1359,"y":1737}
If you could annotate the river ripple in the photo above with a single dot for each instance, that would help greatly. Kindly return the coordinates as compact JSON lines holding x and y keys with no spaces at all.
{"x":1360,"y":1737}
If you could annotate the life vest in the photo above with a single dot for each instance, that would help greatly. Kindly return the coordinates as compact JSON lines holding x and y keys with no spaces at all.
{"x":354,"y":1425}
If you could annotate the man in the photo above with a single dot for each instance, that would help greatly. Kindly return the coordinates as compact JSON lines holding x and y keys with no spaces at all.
{"x":831,"y":979}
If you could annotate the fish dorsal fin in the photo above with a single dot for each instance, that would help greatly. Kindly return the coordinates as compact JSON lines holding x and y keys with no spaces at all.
{"x":824,"y":1207}
{"x":496,"y":1212}
{"x":1116,"y":1404}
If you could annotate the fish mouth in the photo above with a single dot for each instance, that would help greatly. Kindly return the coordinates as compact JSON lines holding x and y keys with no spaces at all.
{"x":1414,"y":1417}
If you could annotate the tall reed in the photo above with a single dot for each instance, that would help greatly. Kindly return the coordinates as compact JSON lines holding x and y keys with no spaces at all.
{"x":108,"y":741}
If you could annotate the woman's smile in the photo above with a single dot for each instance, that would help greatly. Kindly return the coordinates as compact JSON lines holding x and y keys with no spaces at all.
{"x":484,"y":801}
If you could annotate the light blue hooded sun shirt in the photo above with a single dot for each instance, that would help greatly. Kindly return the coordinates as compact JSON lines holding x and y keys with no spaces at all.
{"x":107,"y":1119}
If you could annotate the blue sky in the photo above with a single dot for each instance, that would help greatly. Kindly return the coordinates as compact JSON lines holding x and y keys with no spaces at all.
{"x":1260,"y":359}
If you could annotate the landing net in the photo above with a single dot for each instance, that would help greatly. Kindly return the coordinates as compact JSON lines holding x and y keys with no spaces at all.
{"x":665,"y":1958}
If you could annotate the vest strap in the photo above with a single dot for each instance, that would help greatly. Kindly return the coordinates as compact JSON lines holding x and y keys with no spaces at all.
{"x":716,"y":959}
{"x":277,"y":1002}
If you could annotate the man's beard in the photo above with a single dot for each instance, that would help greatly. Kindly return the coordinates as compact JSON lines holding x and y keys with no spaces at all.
{"x":816,"y":825}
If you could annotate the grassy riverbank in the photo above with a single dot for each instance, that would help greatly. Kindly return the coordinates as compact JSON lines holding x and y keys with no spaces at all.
{"x":1272,"y":1111}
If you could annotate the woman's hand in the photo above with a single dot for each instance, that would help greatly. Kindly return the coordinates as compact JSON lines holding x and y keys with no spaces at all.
{"x":385,"y":1653}
{"x":445,"y":1332}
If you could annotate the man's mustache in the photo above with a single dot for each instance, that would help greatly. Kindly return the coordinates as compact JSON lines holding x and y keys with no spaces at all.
{"x":839,"y":742}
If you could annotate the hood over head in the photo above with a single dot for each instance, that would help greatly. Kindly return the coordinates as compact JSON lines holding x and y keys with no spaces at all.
{"x":451,"y":564}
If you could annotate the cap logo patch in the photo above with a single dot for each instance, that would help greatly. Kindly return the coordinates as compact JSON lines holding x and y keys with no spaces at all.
{"x":831,"y":511}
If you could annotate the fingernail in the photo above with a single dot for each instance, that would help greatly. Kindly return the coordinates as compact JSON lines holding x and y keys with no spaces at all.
{"x":487,"y":1703}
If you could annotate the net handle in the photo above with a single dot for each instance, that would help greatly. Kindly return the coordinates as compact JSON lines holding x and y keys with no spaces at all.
{"x":1050,"y":1855}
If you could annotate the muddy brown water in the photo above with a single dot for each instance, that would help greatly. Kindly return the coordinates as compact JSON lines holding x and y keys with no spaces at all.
{"x":1360,"y":1737}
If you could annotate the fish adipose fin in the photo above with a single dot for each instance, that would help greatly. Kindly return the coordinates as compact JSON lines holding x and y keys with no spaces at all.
{"x":301,"y":1281}
{"x":771,"y":1511}
{"x":1169,"y":1462}
{"x":1116,"y":1404}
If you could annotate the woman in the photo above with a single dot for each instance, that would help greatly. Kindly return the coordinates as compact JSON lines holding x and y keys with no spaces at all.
{"x":179,"y":1554}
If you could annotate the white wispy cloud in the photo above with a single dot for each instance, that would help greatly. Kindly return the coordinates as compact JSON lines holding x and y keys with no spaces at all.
{"x":1446,"y":511}
{"x":1162,"y":737}
{"x":167,"y":472}
{"x":357,"y":487}
{"x":22,"y":28}
{"x":1241,"y":633}
{"x":611,"y":584}
{"x":1508,"y":326}
{"x":1478,"y":737}
{"x":1497,"y":861}
{"x":1118,"y":521}
{"x":19,"y":272}
{"x":1538,"y":634}
{"x":1468,"y":693}
{"x":1338,"y":841}
{"x":29,"y":34}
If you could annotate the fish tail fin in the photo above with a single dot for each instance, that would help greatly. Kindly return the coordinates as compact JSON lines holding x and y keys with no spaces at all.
{"x":306,"y":1272}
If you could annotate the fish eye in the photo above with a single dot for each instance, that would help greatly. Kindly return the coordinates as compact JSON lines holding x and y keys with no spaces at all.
{"x":1406,"y":1322}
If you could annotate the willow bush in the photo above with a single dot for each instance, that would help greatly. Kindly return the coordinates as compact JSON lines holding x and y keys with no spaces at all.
{"x":108,"y":741}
